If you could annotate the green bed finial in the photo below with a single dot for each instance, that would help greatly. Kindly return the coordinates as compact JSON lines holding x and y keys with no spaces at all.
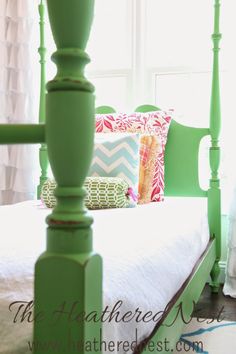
{"x":70,"y":56}
{"x":43,"y":158}
{"x":214,"y":195}
{"x":69,"y":271}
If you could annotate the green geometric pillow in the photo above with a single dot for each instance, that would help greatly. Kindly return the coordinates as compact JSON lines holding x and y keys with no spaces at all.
{"x":107,"y":192}
{"x":47,"y":193}
{"x":102,"y":193}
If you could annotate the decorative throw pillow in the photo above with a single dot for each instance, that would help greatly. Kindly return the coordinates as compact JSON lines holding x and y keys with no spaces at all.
{"x":102,"y":193}
{"x":154,"y":123}
{"x":150,"y":147}
{"x":117,"y":155}
{"x":47,"y":193}
{"x":108,"y":192}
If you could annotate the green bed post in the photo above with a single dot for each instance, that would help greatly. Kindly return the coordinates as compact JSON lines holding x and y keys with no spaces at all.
{"x":68,"y":276}
{"x":214,"y":201}
{"x":43,"y":158}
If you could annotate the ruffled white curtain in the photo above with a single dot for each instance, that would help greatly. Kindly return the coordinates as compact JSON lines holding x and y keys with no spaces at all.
{"x":17,"y":181}
{"x":230,"y":280}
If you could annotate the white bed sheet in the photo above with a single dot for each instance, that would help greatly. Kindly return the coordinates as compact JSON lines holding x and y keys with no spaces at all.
{"x":148,"y":252}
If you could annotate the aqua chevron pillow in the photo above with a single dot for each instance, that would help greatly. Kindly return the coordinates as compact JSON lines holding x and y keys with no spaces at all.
{"x":117,"y":155}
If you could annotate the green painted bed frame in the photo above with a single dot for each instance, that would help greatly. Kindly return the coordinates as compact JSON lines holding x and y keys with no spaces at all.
{"x":69,"y":269}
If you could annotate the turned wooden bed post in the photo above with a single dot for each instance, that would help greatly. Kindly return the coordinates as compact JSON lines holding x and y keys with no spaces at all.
{"x":214,"y":200}
{"x":68,"y":276}
{"x":43,"y":157}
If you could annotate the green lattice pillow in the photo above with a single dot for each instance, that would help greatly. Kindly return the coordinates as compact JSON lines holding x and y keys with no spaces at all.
{"x":102,"y":193}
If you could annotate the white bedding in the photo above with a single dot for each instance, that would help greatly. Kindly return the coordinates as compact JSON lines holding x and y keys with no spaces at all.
{"x":148,"y":252}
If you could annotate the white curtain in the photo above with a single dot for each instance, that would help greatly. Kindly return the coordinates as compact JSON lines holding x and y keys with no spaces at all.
{"x":230,"y":280}
{"x":17,"y":181}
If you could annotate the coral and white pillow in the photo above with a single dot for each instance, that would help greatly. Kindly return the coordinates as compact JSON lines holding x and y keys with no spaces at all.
{"x":154,"y":123}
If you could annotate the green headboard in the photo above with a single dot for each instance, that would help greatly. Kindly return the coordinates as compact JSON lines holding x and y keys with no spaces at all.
{"x":182,"y":161}
{"x":181,"y":156}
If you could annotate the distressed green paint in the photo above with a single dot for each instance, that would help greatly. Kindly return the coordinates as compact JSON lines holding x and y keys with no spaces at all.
{"x":22,"y":133}
{"x":43,"y":157}
{"x":70,"y":42}
{"x":214,"y":195}
{"x":69,"y":271}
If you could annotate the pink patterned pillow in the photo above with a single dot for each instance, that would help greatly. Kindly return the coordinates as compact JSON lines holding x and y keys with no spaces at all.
{"x":156,"y":123}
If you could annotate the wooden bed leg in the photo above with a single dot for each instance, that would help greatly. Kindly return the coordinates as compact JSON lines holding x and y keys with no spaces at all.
{"x":68,"y":276}
{"x":214,"y":217}
{"x":215,"y":284}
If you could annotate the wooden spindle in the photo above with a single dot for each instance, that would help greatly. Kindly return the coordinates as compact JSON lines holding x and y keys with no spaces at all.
{"x":43,"y":158}
{"x":69,"y":273}
{"x":214,"y":194}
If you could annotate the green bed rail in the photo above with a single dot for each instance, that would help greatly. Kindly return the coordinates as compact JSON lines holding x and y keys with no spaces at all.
{"x":22,"y":133}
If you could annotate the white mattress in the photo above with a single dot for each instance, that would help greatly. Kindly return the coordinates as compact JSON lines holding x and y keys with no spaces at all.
{"x":148,"y":252}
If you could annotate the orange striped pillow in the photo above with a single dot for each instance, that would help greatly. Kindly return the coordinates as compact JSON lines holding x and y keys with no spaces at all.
{"x":150,"y":146}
